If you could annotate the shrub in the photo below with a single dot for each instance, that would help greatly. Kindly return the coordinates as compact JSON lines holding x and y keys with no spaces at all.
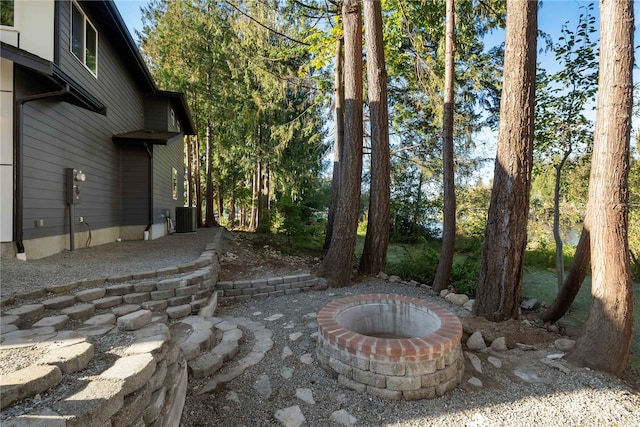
{"x":464,"y":275}
{"x":420,"y":266}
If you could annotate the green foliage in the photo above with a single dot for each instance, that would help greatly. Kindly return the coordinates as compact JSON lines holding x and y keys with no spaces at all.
{"x":7,"y":12}
{"x":464,"y":275}
{"x":419,"y":266}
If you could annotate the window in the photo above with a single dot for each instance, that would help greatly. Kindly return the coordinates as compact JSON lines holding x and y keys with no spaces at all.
{"x":84,"y":39}
{"x":7,"y":11}
{"x":174,"y":183}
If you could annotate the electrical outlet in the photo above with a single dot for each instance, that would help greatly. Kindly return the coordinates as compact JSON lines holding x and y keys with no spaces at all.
{"x":81,"y":219}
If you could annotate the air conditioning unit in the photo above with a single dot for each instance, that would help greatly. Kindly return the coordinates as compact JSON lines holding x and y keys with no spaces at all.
{"x":186,"y":220}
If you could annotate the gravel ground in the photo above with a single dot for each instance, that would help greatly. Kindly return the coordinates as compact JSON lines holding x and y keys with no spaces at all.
{"x":117,"y":258}
{"x":548,"y":397}
{"x":579,"y":397}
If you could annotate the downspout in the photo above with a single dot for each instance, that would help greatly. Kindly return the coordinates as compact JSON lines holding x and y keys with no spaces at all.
{"x":150,"y":215}
{"x":18,"y":163}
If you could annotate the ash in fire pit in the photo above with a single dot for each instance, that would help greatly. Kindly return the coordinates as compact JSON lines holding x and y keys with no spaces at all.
{"x":391,"y":346}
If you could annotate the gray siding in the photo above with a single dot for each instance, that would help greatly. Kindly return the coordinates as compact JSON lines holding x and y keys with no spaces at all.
{"x":156,"y":110}
{"x":113,"y":86}
{"x":165,"y":158}
{"x":58,"y":135}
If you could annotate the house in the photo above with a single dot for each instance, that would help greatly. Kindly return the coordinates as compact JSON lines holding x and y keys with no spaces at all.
{"x":89,"y":146}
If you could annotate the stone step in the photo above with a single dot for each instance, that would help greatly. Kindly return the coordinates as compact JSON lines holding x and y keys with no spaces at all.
{"x":205,"y":365}
{"x":262,"y":344}
{"x":27,"y":382}
{"x":194,"y":335}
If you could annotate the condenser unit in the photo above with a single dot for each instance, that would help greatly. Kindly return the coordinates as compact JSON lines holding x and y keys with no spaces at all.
{"x":186,"y":220}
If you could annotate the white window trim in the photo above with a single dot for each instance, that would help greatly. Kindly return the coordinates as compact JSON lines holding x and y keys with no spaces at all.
{"x":86,"y":20}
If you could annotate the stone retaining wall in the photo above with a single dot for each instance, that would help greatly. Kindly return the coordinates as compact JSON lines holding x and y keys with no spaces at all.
{"x":240,"y":290}
{"x":146,"y":385}
{"x":64,"y":328}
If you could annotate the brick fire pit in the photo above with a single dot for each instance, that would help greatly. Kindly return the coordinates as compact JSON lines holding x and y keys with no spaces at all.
{"x":391,"y":346}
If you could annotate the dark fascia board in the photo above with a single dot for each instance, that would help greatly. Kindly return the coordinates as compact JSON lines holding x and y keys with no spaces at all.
{"x":147,"y":137}
{"x":50,"y":73}
{"x":112,"y":21}
{"x":26,"y":59}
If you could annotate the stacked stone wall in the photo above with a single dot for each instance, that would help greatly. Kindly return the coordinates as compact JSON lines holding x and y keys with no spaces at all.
{"x":145,"y":386}
{"x":241,"y":290}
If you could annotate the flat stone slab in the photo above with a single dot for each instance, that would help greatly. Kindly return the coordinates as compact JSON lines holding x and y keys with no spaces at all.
{"x":101,"y":319}
{"x":136,"y":298}
{"x":80,"y":311}
{"x":58,"y":303}
{"x":92,"y":331}
{"x":28,"y":382}
{"x":27,"y":311}
{"x":27,"y":337}
{"x":205,"y":365}
{"x":125,"y":309}
{"x":94,"y":405}
{"x":56,"y":322}
{"x":90,"y":294}
{"x":179,"y":311}
{"x":119,"y":289}
{"x":69,"y":359}
{"x":134,"y":371}
{"x":41,"y":418}
{"x":107,"y":302}
{"x":8,"y":320}
{"x":135,"y":320}
{"x":290,"y":417}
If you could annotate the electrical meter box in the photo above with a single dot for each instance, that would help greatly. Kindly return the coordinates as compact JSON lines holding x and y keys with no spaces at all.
{"x":74,"y":178}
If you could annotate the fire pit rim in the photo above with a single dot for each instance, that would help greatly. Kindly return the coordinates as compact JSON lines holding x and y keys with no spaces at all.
{"x":430,"y":346}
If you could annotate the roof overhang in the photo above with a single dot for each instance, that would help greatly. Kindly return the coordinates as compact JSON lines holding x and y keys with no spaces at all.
{"x":147,"y":137}
{"x":50,"y":74}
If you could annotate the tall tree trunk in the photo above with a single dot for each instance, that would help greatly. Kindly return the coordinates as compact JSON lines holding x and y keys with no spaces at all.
{"x":500,"y":282}
{"x":210,"y":220}
{"x":556,"y":220}
{"x":232,"y":211}
{"x":574,"y":279}
{"x":338,"y":262}
{"x":198,"y":182}
{"x":255,"y":198}
{"x":338,"y":139}
{"x":376,"y":242}
{"x":445,"y":263}
{"x":417,"y":203}
{"x":605,"y":343}
{"x":264,"y":217}
{"x":220,"y":201}
{"x":189,"y":140}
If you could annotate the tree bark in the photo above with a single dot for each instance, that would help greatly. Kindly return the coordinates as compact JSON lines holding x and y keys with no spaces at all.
{"x":337,"y":264}
{"x":573,"y":281}
{"x":445,"y":262}
{"x":338,"y":139}
{"x":605,"y":343}
{"x":556,"y":220}
{"x":500,"y":282}
{"x":376,"y":242}
{"x":189,"y":149}
{"x":210,"y":220}
{"x":198,"y":183}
